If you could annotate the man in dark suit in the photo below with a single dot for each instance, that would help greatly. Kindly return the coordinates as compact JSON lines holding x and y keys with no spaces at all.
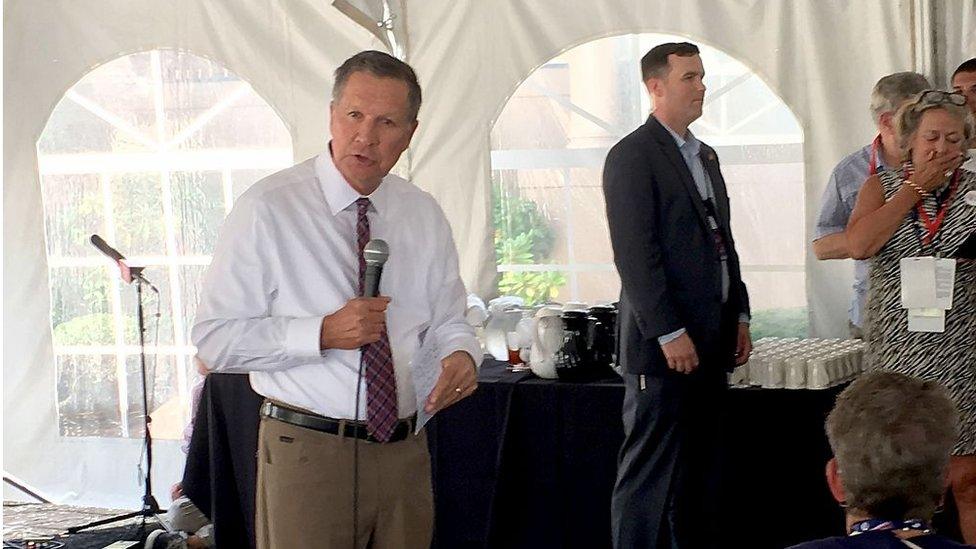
{"x":684,"y":313}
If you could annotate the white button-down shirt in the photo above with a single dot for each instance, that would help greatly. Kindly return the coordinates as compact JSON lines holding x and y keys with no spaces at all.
{"x":287,"y":256}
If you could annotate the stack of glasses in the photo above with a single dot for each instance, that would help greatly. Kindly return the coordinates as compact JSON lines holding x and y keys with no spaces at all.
{"x":792,"y":363}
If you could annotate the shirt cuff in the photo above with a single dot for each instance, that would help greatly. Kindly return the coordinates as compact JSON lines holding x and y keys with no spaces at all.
{"x":467,"y":344}
{"x":668,"y":338}
{"x":303,"y":336}
{"x":744,"y":318}
{"x":822,"y":231}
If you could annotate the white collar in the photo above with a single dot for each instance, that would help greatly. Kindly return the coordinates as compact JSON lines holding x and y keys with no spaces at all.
{"x":338,"y":192}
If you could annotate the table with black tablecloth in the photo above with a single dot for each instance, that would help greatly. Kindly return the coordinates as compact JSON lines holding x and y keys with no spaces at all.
{"x":526,"y":462}
{"x":221,"y":465}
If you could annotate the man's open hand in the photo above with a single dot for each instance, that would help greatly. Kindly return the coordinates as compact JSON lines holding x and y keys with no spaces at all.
{"x":458,"y":379}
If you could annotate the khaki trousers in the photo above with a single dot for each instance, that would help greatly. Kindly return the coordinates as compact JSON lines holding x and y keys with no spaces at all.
{"x":305,"y":490}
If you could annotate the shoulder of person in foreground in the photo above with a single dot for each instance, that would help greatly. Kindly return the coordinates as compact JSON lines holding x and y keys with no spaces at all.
{"x":880,"y":540}
{"x":845,"y":542}
{"x":848,"y":161}
{"x":638,"y":139}
{"x":275,"y":186}
{"x":419,"y":204}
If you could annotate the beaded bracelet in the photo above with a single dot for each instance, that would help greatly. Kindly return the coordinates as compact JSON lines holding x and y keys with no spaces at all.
{"x":921,"y":192}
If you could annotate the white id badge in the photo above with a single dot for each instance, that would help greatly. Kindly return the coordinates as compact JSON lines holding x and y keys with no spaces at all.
{"x":945,"y":279}
{"x":918,"y":283}
{"x":926,"y":320}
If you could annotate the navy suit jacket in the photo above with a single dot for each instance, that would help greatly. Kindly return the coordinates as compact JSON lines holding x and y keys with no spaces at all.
{"x":669,"y":267}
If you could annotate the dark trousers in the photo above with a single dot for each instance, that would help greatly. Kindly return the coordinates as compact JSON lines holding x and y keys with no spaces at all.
{"x":669,"y":492}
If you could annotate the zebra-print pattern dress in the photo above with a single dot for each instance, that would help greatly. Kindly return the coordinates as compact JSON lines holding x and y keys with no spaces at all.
{"x":948,"y":357}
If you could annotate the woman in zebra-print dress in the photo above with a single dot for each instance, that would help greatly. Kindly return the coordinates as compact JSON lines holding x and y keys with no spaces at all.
{"x":888,"y":224}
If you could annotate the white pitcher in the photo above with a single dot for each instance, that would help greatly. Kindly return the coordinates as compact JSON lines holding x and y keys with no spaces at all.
{"x":547,"y":338}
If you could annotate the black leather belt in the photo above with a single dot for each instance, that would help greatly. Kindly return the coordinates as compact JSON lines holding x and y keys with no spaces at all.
{"x":328,"y":425}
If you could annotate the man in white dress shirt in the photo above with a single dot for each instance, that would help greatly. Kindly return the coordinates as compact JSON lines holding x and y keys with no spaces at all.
{"x":283,"y":301}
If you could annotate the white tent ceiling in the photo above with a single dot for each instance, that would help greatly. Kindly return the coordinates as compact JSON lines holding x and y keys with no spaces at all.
{"x":820,"y":57}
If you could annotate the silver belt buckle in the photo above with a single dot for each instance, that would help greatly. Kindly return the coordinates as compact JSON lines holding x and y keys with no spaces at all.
{"x":266,"y":408}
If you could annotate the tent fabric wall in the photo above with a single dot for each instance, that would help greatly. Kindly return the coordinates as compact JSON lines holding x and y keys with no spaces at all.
{"x":821,"y":58}
{"x":286,"y":50}
{"x":944,"y":37}
{"x":959,"y":28}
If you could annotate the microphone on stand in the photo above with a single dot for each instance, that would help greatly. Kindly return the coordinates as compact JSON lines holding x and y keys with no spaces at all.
{"x":376,"y":253}
{"x":128,"y":273}
{"x":150,"y":507}
{"x":103,"y":247}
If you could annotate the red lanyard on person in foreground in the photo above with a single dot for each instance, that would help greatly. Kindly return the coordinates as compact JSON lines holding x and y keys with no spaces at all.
{"x":873,"y":163}
{"x":932,"y":225}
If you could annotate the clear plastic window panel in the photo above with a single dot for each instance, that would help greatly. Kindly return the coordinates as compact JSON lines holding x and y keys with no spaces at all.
{"x":548,"y":147}
{"x":150,"y":151}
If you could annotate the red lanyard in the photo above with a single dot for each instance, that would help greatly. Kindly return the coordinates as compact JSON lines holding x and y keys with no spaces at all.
{"x":873,"y":166}
{"x":932,"y":225}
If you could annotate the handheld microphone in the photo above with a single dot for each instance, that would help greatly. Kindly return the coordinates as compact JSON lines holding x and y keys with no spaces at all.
{"x":376,"y":253}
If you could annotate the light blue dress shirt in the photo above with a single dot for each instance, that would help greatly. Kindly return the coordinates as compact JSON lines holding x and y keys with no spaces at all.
{"x":836,"y":207}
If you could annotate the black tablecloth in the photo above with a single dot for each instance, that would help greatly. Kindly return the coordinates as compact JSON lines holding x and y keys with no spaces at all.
{"x":531,"y":463}
{"x":527,"y":462}
{"x":221,"y":465}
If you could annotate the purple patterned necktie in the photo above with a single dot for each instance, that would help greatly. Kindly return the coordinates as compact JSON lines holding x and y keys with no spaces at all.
{"x":377,"y":359}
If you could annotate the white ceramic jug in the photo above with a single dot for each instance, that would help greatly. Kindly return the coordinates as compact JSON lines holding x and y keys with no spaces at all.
{"x":496,"y":330}
{"x":547,"y":338}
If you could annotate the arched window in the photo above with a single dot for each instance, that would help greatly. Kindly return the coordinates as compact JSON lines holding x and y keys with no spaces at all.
{"x":149,"y":151}
{"x":548,"y":147}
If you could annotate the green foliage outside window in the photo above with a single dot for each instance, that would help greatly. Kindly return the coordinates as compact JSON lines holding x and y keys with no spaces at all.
{"x":785,"y":322}
{"x":523,"y":236}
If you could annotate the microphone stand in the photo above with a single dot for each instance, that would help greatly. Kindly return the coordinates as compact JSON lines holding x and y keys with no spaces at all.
{"x":149,"y":505}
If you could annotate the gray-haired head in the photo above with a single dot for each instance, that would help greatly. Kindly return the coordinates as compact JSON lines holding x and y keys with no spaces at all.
{"x":909,"y":116}
{"x":382,"y":65}
{"x":891,"y":435}
{"x":893,"y":90}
